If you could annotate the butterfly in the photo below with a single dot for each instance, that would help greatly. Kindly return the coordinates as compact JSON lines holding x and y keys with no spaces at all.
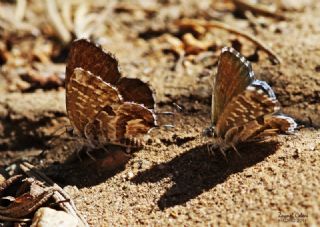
{"x":103,"y":107}
{"x":243,"y":108}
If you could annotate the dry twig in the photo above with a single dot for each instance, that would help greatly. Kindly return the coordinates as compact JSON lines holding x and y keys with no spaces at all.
{"x":20,"y":10}
{"x":256,"y":8}
{"x":5,"y":218}
{"x":59,"y":194}
{"x":57,"y":21}
{"x":27,"y":204}
{"x":217,"y":24}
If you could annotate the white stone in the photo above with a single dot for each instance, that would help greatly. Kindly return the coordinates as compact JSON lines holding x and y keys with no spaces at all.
{"x":47,"y":217}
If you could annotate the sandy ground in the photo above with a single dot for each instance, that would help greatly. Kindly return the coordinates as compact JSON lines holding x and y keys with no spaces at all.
{"x":173,"y":180}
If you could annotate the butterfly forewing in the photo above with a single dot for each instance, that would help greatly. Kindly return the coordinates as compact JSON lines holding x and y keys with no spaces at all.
{"x":249,"y":105}
{"x":233,"y":76}
{"x":90,"y":57}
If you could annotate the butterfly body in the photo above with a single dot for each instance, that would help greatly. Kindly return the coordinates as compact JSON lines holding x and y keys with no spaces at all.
{"x":103,"y":107}
{"x":243,"y":108}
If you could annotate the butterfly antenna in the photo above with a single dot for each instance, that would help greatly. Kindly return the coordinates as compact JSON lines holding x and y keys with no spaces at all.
{"x":55,"y":136}
{"x":177,"y":87}
{"x":177,"y":109}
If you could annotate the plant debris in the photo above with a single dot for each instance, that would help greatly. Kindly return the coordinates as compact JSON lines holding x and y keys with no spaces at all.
{"x":23,"y":194}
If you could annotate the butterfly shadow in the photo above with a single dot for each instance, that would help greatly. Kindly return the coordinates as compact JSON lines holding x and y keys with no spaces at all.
{"x":195,"y":172}
{"x":87,"y":169}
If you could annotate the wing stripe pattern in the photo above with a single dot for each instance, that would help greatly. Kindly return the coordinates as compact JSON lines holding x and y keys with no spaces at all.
{"x":244,"y":108}
{"x":233,"y":76}
{"x":102,"y":106}
{"x":82,"y":104}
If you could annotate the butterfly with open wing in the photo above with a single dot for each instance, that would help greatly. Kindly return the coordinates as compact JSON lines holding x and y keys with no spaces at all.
{"x":243,"y":108}
{"x":103,"y":107}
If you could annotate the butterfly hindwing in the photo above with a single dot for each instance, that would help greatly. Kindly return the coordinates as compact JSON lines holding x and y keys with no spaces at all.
{"x":263,"y":126}
{"x":137,"y":91}
{"x":122,"y":125}
{"x":281,"y":122}
{"x":132,"y":121}
{"x":90,"y":57}
{"x":249,"y":105}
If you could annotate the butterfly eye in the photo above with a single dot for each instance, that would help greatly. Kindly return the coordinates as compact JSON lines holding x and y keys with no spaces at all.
{"x":209,"y":132}
{"x":70,"y":131}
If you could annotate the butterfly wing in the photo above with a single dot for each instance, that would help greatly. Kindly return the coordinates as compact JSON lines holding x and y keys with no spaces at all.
{"x":233,"y":76}
{"x":281,"y":123}
{"x":137,"y":91}
{"x":91,"y":57}
{"x":263,"y":126}
{"x":86,"y":96}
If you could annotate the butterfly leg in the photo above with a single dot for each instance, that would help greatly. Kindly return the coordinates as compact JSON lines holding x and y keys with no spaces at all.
{"x":222,"y":150}
{"x":210,"y":150}
{"x":79,"y":147}
{"x":105,"y":149}
{"x":87,"y":151}
{"x":236,"y":150}
{"x":260,"y":140}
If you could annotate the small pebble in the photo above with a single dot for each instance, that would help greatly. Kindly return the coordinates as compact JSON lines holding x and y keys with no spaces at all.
{"x":130,"y":175}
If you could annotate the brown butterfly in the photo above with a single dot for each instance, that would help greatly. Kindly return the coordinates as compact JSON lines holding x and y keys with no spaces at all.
{"x":103,"y":107}
{"x":243,"y":108}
